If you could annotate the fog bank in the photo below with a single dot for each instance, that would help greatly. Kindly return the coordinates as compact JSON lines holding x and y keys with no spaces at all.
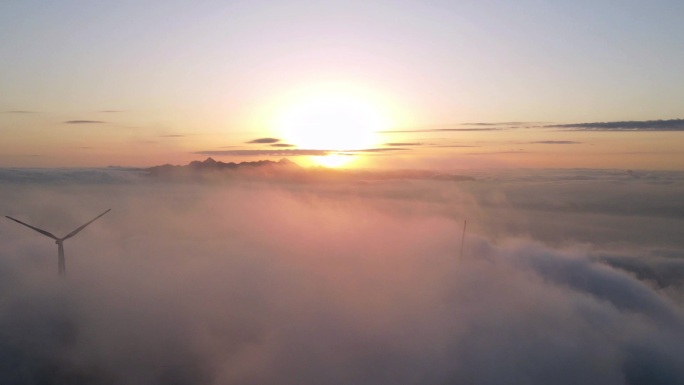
{"x":262,"y":282}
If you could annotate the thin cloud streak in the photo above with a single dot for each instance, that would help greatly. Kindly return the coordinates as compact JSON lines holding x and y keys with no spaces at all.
{"x":553,"y":142}
{"x":499,"y":152}
{"x":502,"y":124}
{"x":454,"y":146}
{"x":84,"y":122}
{"x":367,"y":150}
{"x":632,"y":125}
{"x":400,"y":144}
{"x":263,"y":152}
{"x":465,"y":127}
{"x":265,"y":140}
{"x":440,"y":130}
{"x":295,"y":152}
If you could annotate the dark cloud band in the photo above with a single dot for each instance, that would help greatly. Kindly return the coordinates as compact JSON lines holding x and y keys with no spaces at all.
{"x":265,"y":140}
{"x":632,"y":125}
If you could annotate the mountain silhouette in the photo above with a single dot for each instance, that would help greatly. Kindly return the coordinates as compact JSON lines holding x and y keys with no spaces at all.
{"x":210,"y":165}
{"x":286,"y":170}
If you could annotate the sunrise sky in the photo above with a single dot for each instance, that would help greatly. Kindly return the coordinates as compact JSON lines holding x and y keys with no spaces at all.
{"x":430,"y":84}
{"x":491,"y":192}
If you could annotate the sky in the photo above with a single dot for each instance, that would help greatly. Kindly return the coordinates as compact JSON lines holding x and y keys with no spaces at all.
{"x":92,"y":84}
{"x":554,"y":130}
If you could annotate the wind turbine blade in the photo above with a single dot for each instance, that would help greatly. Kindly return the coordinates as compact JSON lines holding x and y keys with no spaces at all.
{"x":34,"y":228}
{"x":71,"y":234}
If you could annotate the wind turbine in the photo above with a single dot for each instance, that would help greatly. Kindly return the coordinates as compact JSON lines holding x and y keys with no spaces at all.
{"x":60,"y":241}
{"x":460,"y":256}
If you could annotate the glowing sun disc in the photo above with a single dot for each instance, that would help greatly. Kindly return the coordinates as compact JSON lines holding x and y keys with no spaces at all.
{"x":332,"y":122}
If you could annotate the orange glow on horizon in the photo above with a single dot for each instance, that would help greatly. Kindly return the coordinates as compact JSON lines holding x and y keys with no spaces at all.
{"x":334,"y":160}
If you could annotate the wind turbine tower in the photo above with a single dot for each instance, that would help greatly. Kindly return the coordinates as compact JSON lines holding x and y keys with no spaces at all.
{"x":60,"y":241}
{"x":460,"y":256}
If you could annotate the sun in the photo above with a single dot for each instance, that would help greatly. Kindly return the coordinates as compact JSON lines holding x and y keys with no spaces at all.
{"x":334,"y":122}
{"x":333,"y":160}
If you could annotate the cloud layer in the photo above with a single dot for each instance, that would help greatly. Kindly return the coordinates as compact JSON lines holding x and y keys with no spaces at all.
{"x":636,"y":125}
{"x":265,"y":282}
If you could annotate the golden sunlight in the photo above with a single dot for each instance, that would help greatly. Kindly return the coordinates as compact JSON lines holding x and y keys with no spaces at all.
{"x":332,"y":122}
{"x":333,"y":160}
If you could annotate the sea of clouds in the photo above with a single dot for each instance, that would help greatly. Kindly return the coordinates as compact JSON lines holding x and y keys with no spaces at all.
{"x":567,"y":277}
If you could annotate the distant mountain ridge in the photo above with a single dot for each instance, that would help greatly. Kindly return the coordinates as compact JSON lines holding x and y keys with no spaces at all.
{"x":284,"y":169}
{"x":211,"y":165}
